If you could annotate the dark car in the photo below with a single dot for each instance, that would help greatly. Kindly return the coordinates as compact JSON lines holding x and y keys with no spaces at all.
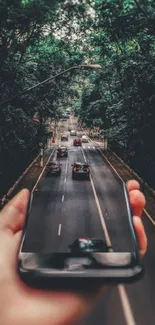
{"x":88,"y":245}
{"x":80,"y":170}
{"x":62,"y":151}
{"x":77,"y":142}
{"x":53,"y":168}
{"x":64,"y":137}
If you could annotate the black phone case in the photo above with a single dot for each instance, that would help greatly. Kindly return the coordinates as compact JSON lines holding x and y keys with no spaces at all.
{"x":41,"y":277}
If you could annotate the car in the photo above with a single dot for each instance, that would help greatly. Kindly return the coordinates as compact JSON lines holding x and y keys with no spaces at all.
{"x":77,"y":142}
{"x":64,"y":137}
{"x":88,"y":245}
{"x":65,"y":116}
{"x":84,"y":139}
{"x":62,"y":151}
{"x":80,"y":169}
{"x":73,"y":132}
{"x":54,"y":168}
{"x":70,"y":128}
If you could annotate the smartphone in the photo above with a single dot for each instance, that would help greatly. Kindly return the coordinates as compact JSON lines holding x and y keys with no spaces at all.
{"x":84,"y":263}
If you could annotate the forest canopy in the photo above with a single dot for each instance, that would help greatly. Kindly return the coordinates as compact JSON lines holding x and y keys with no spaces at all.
{"x":41,"y":38}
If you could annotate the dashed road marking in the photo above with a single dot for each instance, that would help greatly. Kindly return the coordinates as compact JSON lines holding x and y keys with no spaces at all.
{"x":66,"y":167}
{"x":88,"y":147}
{"x":59,"y":229}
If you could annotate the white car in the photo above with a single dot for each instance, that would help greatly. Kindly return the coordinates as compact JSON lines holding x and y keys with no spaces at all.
{"x":84,"y":139}
{"x":73,"y":132}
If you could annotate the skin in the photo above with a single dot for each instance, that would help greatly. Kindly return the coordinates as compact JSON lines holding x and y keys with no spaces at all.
{"x":20,"y":304}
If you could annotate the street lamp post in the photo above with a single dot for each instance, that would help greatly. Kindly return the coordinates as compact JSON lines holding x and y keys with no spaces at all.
{"x":76,"y":67}
{"x":41,"y":157}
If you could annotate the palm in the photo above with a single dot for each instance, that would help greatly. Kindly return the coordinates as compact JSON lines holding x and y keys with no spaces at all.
{"x":43,"y":307}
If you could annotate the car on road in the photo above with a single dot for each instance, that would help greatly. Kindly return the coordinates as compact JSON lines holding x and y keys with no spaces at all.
{"x":77,"y":142}
{"x":53,"y":168}
{"x":64,"y":137}
{"x":88,"y":245}
{"x":80,"y":170}
{"x":65,"y":116}
{"x":84,"y":139}
{"x":73,"y":132}
{"x":62,"y":151}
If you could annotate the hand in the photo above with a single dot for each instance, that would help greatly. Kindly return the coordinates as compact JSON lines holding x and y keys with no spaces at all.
{"x":20,"y":304}
{"x":137,"y":202}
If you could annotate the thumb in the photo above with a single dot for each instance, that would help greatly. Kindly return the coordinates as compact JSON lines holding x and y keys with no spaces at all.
{"x":12,"y":219}
{"x":141,"y":236}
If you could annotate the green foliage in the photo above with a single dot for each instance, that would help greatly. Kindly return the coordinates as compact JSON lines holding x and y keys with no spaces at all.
{"x":30,"y":52}
{"x":41,"y":38}
{"x":121,"y":39}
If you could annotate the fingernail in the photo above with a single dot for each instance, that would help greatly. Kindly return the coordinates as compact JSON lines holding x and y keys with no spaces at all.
{"x":21,"y":196}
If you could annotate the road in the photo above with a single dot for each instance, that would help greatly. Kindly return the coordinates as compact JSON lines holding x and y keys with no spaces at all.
{"x":65,"y":209}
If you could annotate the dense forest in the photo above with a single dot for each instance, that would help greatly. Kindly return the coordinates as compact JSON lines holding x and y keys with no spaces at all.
{"x":41,"y":38}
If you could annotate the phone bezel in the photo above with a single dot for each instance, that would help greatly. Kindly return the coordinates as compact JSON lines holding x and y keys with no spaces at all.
{"x":46,"y":277}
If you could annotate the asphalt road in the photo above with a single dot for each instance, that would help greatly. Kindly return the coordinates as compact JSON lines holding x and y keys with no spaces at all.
{"x":65,"y":209}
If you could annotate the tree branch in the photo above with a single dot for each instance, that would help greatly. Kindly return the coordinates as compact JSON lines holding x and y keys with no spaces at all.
{"x":140,"y":8}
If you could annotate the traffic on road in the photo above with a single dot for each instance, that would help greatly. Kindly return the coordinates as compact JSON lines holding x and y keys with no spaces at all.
{"x":69,"y":210}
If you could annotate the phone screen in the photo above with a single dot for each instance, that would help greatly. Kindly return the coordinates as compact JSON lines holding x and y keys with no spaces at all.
{"x":81,"y":234}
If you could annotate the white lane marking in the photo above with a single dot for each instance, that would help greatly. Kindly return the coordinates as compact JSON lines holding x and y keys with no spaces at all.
{"x":107,"y":237}
{"x":42,"y":171}
{"x":63,"y":198}
{"x":126,"y":306}
{"x":65,"y":180}
{"x":128,"y":314}
{"x":145,"y":211}
{"x":59,"y":229}
{"x":66,"y":167}
{"x":83,"y":147}
{"x":84,"y":155}
{"x":149,"y":217}
{"x":115,"y":171}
